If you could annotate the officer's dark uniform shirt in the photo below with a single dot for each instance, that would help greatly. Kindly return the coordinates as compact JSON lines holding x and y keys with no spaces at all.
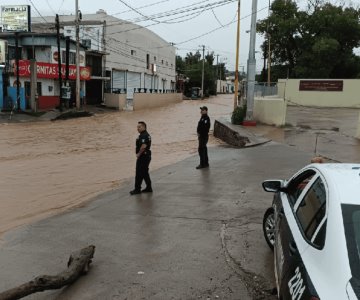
{"x":144,"y":138}
{"x":203,"y":126}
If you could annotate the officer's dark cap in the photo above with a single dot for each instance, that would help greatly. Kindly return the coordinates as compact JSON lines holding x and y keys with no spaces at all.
{"x":203,"y":108}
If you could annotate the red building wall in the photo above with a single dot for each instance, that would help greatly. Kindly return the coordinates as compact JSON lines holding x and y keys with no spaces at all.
{"x":48,"y":102}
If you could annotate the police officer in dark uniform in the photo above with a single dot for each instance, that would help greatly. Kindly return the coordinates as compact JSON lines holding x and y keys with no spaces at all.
{"x":143,"y":155}
{"x":203,"y":137}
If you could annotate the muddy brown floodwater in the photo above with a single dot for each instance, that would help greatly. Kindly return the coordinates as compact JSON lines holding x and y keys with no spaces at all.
{"x":49,"y":167}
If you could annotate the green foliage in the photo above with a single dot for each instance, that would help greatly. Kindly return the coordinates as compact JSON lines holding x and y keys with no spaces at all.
{"x":238,"y":115}
{"x":314,"y":43}
{"x":191,"y":66}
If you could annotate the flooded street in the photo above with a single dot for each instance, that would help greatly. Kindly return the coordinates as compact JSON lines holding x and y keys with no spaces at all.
{"x":49,"y":167}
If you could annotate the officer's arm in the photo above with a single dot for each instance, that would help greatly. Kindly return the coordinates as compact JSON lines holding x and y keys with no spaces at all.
{"x":208,"y":124}
{"x":141,"y":151}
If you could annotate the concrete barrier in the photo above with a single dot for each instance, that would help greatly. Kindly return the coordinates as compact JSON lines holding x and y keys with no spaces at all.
{"x":150,"y":100}
{"x":115,"y":100}
{"x":229,"y":135}
{"x":271,"y":111}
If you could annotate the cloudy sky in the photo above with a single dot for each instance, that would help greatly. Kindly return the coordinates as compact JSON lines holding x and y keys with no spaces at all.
{"x":187,"y":23}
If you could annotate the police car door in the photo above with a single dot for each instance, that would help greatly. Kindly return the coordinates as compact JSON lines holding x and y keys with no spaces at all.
{"x":311,"y":215}
{"x":287,"y":249}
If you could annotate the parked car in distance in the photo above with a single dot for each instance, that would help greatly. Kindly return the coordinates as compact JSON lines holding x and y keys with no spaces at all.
{"x":313,"y":226}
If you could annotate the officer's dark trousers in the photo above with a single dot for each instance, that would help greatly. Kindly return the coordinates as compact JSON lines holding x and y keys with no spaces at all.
{"x":204,"y":160}
{"x":142,"y":171}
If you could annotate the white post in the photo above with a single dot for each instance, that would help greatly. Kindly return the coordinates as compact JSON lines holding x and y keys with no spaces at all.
{"x":251,"y":65}
{"x":202,"y":75}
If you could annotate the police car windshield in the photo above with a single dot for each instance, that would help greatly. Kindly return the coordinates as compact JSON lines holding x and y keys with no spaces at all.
{"x":351,"y":217}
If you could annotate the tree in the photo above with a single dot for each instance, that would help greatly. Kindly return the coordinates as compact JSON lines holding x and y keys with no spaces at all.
{"x":316,"y":43}
{"x":191,"y":67}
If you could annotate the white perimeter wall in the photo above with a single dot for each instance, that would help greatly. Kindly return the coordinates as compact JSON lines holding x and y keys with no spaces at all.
{"x":349,"y":97}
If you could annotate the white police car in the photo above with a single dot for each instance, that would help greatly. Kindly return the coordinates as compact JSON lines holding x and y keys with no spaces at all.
{"x":314,"y":228}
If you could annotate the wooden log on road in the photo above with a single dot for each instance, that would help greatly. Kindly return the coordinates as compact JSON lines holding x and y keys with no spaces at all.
{"x":78,"y":264}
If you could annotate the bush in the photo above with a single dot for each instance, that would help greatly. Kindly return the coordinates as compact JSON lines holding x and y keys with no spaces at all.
{"x":238,"y":115}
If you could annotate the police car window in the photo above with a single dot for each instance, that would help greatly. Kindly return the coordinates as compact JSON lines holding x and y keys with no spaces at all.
{"x":297,"y":185}
{"x":312,"y":208}
{"x":319,"y":239}
{"x":351,"y":219}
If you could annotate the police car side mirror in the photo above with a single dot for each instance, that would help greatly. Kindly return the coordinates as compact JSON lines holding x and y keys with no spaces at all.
{"x":273,"y":186}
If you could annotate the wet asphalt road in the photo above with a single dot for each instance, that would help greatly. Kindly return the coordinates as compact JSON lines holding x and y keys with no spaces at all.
{"x":198,"y":236}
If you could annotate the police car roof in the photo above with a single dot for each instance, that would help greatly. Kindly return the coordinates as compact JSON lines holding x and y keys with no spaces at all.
{"x":344,"y":178}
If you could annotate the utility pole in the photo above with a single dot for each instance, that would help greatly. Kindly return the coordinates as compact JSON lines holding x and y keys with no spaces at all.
{"x":217,"y":71}
{"x":251,"y":69}
{"x":17,"y":70}
{"x":77,"y":54}
{"x":33,"y":85}
{"x":269,"y":49}
{"x":59,"y":56}
{"x":202,"y":75}
{"x":236,"y":92}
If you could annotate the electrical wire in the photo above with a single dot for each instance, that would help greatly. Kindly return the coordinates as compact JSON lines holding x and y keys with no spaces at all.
{"x":180,"y":10}
{"x":216,"y":29}
{"x":145,"y":6}
{"x":137,"y":11}
{"x":47,"y":1}
{"x":217,"y":18}
{"x":38,"y":11}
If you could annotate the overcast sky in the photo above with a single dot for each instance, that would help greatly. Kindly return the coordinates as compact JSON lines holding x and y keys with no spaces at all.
{"x":197,"y":25}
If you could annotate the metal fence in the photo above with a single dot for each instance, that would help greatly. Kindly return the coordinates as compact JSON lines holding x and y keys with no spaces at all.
{"x":262,"y":89}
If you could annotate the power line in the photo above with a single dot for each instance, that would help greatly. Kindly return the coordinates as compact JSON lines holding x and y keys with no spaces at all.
{"x":216,"y":29}
{"x":137,"y":11}
{"x":180,"y":10}
{"x":38,"y":11}
{"x":145,"y":6}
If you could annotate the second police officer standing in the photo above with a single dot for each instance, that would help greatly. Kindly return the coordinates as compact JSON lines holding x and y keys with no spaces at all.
{"x":203,"y":137}
{"x":143,"y":158}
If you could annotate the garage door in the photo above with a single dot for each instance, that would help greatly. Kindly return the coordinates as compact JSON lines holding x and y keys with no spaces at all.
{"x":133,"y":81}
{"x":148,"y":81}
{"x":156,"y":82}
{"x":118,"y":80}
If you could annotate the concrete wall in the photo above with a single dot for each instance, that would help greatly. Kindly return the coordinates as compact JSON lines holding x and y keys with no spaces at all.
{"x":271,"y":111}
{"x":115,"y":100}
{"x":221,"y":86}
{"x":349,"y":97}
{"x":150,"y":100}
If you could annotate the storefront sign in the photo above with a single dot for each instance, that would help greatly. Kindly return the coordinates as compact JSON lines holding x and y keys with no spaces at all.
{"x":15,"y":17}
{"x":321,"y":85}
{"x":47,"y":70}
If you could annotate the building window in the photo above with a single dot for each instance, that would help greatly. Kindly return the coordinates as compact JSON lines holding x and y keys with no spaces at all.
{"x":72,"y":57}
{"x":133,"y":52}
{"x":86,"y":43}
{"x":148,"y":61}
{"x":162,"y":61}
{"x":154,"y":58}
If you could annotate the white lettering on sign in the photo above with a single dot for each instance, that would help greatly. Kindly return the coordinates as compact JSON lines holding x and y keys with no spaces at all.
{"x":296,"y":285}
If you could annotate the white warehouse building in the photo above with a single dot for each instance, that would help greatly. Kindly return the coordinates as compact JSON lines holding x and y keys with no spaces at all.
{"x":136,"y":58}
